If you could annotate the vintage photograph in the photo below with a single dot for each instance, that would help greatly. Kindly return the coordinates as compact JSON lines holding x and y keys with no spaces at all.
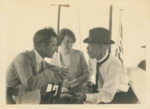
{"x":83,"y":52}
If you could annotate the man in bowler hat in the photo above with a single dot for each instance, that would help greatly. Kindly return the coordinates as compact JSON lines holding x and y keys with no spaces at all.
{"x":110,"y":83}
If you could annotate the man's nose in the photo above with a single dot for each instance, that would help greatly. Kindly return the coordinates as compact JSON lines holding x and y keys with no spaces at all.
{"x":87,"y":47}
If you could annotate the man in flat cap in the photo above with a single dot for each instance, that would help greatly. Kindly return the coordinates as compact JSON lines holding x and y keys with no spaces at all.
{"x":30,"y":74}
{"x":111,"y":83}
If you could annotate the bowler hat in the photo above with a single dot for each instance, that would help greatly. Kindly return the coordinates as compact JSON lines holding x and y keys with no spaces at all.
{"x":99,"y":35}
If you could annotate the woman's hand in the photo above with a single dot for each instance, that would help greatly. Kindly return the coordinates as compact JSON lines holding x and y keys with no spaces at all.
{"x":66,"y":84}
{"x":65,"y":90}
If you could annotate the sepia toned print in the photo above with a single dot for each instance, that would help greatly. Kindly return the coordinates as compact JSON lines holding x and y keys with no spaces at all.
{"x":113,"y":32}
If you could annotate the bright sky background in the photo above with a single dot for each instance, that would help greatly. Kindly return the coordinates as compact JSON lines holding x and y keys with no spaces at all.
{"x":22,"y":18}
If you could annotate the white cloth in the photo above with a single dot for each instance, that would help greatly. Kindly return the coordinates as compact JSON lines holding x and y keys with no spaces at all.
{"x":115,"y":80}
{"x":138,"y":82}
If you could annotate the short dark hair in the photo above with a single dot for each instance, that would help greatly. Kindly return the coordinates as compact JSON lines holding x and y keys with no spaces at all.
{"x":62,"y":33}
{"x":43,"y":36}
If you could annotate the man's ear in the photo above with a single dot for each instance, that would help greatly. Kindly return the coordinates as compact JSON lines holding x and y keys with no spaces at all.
{"x":98,"y":52}
{"x":43,"y":46}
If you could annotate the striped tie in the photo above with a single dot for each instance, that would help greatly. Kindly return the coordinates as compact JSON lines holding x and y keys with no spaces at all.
{"x":43,"y":89}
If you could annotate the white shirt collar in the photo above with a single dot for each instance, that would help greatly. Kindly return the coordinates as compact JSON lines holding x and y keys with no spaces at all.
{"x":103,"y":57}
{"x":38,"y":57}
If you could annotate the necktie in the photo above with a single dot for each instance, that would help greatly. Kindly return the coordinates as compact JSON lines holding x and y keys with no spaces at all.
{"x":98,"y":73}
{"x":42,"y":66}
{"x":43,"y":89}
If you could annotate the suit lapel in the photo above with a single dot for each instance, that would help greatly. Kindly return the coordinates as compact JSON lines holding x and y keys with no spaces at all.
{"x":34,"y":63}
{"x":72,"y":61}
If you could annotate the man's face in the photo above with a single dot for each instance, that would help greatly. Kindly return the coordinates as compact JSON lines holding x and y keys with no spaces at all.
{"x":97,"y":51}
{"x":51,"y":48}
{"x":92,"y":50}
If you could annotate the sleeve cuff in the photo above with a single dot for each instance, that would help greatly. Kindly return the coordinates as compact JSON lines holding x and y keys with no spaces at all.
{"x":89,"y":98}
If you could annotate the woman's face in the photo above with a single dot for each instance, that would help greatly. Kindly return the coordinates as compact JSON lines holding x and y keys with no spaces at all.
{"x":67,"y":44}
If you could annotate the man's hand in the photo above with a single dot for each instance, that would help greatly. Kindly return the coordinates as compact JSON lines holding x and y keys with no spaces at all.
{"x":57,"y":71}
{"x":56,"y":74}
{"x":80,"y":97}
{"x":60,"y":73}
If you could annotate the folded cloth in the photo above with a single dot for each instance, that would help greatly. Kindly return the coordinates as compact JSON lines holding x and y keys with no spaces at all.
{"x":70,"y":99}
{"x":74,"y":83}
{"x":10,"y":91}
{"x":65,"y":99}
